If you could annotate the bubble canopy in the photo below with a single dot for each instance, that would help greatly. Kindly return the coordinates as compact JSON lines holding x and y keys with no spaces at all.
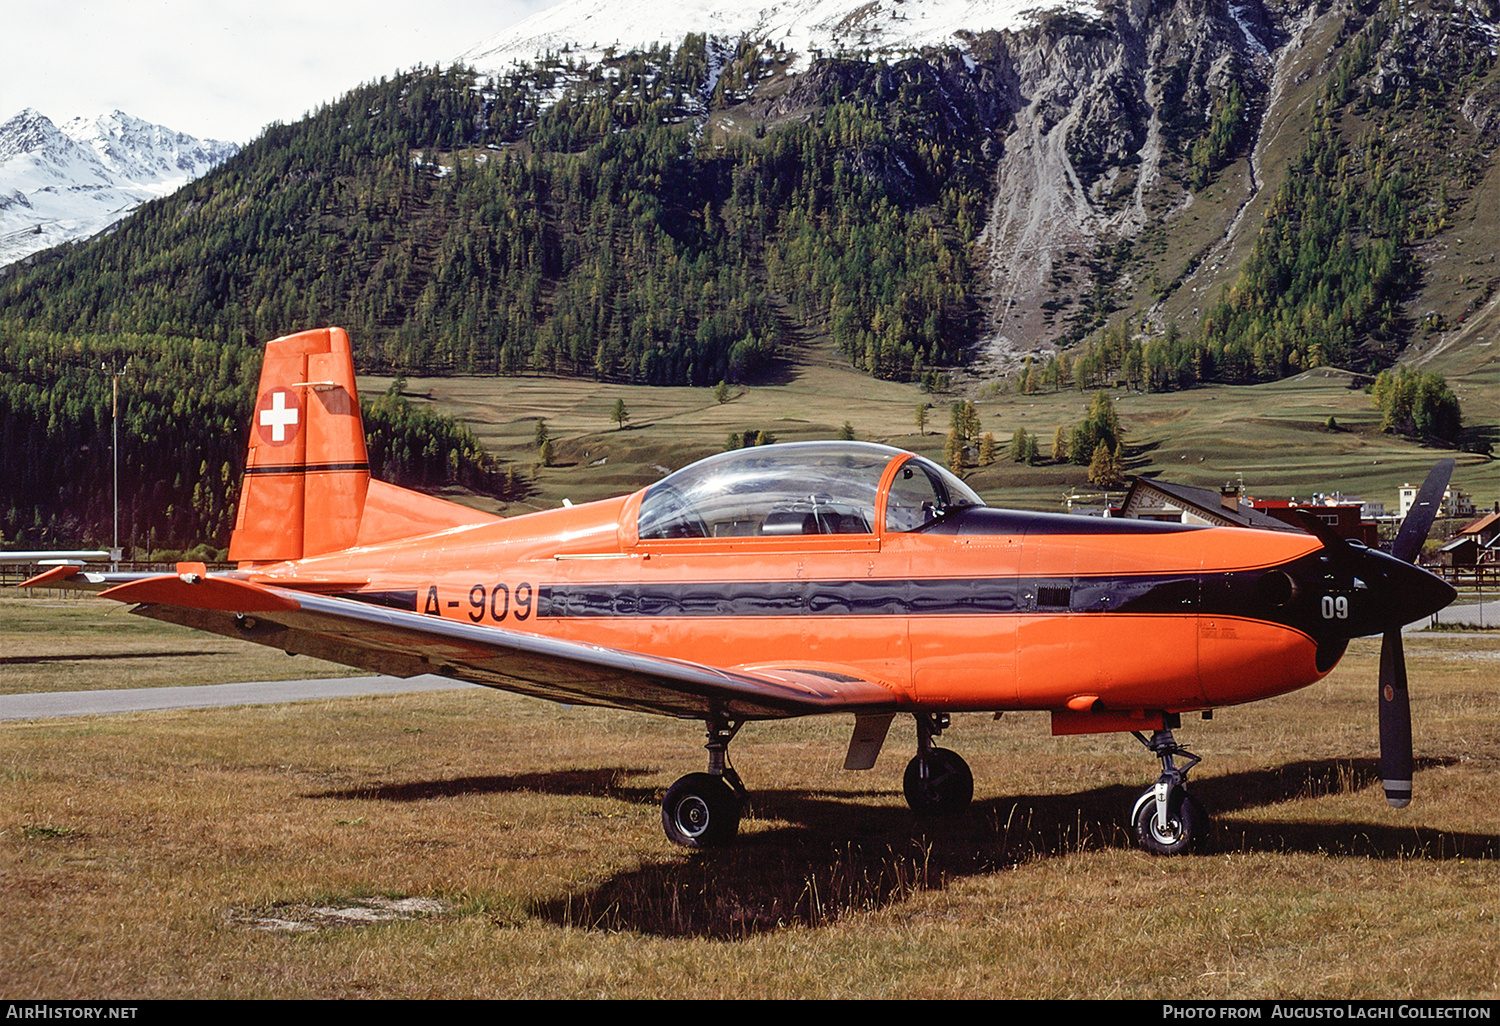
{"x":801,"y":488}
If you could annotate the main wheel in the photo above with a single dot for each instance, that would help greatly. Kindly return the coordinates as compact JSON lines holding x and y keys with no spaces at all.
{"x":701,"y":810}
{"x":939,"y":783}
{"x":1184,"y":830}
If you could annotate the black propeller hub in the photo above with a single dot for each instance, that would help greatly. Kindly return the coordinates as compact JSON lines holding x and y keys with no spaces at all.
{"x":1360,"y":591}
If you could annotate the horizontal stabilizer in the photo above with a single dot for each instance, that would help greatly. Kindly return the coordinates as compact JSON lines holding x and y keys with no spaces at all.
{"x":194,"y":592}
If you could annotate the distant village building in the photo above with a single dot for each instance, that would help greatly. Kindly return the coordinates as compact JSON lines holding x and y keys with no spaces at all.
{"x":1371,"y":509}
{"x":1486,"y":529}
{"x":1458,"y":551}
{"x":1475,"y":543}
{"x":1455,"y":503}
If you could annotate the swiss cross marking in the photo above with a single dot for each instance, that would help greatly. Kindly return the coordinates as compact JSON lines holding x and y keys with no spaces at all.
{"x":277,"y":416}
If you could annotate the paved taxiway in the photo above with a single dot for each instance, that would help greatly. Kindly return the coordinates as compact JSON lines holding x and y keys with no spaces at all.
{"x":1468,"y":612}
{"x":126,"y":700}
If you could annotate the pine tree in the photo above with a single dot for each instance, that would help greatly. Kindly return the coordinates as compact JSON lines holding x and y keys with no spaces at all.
{"x":1018,"y":445}
{"x":1106,"y":468}
{"x":1100,"y":470}
{"x":988,"y":449}
{"x":954,"y":453}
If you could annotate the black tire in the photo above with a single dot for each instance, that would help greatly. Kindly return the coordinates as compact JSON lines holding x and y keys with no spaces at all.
{"x":1184,"y":831}
{"x":946,"y":786}
{"x":700,"y":811}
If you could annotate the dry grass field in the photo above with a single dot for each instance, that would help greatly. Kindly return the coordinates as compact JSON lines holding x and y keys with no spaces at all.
{"x":474,"y":844}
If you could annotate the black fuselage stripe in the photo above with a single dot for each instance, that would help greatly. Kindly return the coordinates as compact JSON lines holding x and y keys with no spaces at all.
{"x":311,"y":468}
{"x":969,"y":596}
{"x":1247,"y":594}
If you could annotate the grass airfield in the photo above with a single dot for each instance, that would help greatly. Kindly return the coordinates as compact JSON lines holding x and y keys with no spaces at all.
{"x":477,"y":844}
{"x":70,"y":641}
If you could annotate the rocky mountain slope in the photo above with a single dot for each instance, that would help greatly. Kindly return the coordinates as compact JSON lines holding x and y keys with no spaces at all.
{"x":1137,"y":146}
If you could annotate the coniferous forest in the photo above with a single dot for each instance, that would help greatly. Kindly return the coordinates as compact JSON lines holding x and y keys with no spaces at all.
{"x":452,"y":226}
{"x":182,"y":424}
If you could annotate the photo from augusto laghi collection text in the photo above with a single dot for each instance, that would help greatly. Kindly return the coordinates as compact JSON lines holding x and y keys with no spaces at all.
{"x":1407,"y":1010}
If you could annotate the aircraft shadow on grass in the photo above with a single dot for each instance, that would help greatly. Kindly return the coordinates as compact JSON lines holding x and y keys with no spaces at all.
{"x":81,"y":657}
{"x":830,"y":854}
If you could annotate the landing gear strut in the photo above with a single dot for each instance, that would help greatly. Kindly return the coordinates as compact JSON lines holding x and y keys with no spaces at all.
{"x":937,"y":780}
{"x":703,"y":810}
{"x":1166,"y":819}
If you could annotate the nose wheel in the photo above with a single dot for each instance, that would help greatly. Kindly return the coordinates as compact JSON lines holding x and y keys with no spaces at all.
{"x":1166,"y":819}
{"x":938,"y":783}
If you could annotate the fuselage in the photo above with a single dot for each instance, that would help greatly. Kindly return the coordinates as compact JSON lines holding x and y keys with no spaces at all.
{"x":1101,"y":621}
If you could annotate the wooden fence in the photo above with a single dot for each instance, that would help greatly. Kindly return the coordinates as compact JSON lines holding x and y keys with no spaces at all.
{"x":1484,"y":576}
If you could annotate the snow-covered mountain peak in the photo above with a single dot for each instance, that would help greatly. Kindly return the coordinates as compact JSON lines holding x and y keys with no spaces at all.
{"x":27,"y":131}
{"x":62,"y":183}
{"x":586,"y":29}
{"x":147,"y":154}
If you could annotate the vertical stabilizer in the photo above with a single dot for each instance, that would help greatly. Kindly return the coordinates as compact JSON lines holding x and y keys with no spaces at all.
{"x":307,"y":472}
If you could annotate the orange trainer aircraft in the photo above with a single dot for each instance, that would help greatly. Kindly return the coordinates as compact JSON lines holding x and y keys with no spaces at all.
{"x":787,"y":580}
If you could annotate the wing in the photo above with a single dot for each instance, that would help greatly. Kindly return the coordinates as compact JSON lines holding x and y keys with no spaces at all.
{"x":405,"y":644}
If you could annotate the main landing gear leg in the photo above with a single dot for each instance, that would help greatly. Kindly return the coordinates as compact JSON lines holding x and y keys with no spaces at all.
{"x":1167,"y":820}
{"x":937,"y":780}
{"x":703,"y":809}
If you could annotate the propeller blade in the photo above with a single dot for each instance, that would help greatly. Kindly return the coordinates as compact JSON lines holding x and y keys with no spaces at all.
{"x":1395,"y":722}
{"x":1396,"y":762}
{"x":1419,"y":518}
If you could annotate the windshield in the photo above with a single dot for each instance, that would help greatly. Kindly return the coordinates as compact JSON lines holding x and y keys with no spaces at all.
{"x":798,"y":488}
{"x":924,"y":493}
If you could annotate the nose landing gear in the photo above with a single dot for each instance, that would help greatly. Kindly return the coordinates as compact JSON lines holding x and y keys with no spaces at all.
{"x":937,"y":781}
{"x":1166,"y":819}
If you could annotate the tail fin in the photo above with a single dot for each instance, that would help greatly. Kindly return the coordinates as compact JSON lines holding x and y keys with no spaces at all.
{"x":307,"y":474}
